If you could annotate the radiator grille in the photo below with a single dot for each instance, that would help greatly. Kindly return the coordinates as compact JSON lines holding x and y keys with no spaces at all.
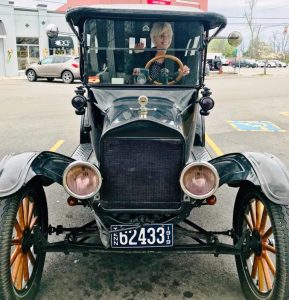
{"x":141,"y":174}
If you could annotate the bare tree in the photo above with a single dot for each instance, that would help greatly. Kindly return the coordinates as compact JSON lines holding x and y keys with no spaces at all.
{"x":254,"y":29}
{"x":279,"y":42}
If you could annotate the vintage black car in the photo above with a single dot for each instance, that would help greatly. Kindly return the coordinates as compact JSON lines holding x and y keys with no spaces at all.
{"x":142,"y":166}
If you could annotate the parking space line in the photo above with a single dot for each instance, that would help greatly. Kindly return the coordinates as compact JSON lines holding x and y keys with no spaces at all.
{"x":56,"y":146}
{"x":215,"y":148}
{"x":285,"y":113}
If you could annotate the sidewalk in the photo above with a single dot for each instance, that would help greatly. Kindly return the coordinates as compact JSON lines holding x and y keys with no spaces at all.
{"x":12,"y":77}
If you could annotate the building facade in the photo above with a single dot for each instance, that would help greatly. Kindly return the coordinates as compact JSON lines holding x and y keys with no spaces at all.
{"x":23,"y":38}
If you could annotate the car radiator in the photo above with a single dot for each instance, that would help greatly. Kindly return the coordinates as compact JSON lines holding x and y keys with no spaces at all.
{"x":141,"y":174}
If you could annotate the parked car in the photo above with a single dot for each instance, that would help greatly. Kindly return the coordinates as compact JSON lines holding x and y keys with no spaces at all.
{"x":280,"y":64}
{"x":215,"y":63}
{"x":65,"y":67}
{"x":271,"y":64}
{"x":244,"y":64}
{"x":141,"y":166}
{"x":260,"y":63}
{"x":225,"y":61}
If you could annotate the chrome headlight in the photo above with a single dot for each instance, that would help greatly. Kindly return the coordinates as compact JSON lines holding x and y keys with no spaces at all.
{"x":199,"y":180}
{"x":81,"y":180}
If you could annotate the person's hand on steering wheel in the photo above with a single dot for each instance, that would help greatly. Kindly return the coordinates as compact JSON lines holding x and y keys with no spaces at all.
{"x":185,"y":71}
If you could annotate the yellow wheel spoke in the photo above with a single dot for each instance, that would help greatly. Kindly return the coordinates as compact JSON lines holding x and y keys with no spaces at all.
{"x":21,"y":217}
{"x":19,"y":277}
{"x":254,"y":268}
{"x":16,"y":241}
{"x":248,"y":221}
{"x":266,"y":235}
{"x":263,"y":221}
{"x":15,"y":254}
{"x":261,"y":277}
{"x":31,"y":257}
{"x":16,"y":267}
{"x":269,"y":248}
{"x":18,"y":229}
{"x":259,"y":213}
{"x":253,"y":214}
{"x":269,"y":262}
{"x":33,"y":222}
{"x":31,"y":208}
{"x":25,"y":268}
{"x":266,"y":273}
{"x":25,"y":205}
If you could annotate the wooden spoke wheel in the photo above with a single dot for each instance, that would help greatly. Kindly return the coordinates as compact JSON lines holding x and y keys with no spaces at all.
{"x":20,"y":266}
{"x":264,"y":261}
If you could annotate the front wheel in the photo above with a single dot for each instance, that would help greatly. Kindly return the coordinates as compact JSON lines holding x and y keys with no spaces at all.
{"x":67,"y":77}
{"x":263,"y":265}
{"x":31,"y":75}
{"x":20,"y":266}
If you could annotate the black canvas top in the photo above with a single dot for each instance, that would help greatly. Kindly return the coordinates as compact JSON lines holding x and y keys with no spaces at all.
{"x":77,"y":15}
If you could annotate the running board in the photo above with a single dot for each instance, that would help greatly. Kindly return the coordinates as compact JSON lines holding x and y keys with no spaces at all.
{"x":83,"y":152}
{"x":201,"y":153}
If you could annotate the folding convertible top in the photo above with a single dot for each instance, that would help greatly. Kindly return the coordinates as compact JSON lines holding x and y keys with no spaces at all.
{"x":76,"y":16}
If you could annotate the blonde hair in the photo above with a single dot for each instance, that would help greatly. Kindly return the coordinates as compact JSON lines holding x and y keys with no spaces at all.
{"x":158,"y":28}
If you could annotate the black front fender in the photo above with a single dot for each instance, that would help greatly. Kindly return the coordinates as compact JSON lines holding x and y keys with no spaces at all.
{"x":17,"y":170}
{"x":261,"y":169}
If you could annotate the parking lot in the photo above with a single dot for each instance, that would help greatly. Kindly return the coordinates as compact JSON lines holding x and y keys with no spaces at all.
{"x":251,"y":113}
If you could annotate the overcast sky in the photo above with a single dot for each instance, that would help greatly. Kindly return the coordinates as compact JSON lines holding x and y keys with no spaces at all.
{"x":272,"y":14}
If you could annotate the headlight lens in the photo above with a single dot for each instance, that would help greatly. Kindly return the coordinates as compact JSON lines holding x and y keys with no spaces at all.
{"x":199,"y":180}
{"x":82,"y":180}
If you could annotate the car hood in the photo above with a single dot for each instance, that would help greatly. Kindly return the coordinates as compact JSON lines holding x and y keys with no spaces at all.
{"x":164,"y":107}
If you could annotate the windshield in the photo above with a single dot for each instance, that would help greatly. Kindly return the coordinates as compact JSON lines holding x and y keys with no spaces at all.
{"x":121,"y":52}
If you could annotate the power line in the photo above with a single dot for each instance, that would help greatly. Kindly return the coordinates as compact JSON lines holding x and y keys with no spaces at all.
{"x":262,"y":18}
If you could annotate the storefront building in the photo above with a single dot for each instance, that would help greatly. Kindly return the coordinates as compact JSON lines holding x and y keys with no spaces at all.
{"x":23,"y":38}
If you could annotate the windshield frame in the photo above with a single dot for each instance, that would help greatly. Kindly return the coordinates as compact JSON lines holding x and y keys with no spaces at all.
{"x":198,"y":64}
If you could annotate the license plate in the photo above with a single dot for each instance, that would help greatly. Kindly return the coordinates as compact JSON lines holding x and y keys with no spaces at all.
{"x":152,"y":235}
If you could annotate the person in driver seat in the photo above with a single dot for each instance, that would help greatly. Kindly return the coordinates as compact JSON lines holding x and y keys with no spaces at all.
{"x":161,"y":35}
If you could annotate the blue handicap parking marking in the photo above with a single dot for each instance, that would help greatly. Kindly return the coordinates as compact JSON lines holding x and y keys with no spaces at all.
{"x":255,"y":126}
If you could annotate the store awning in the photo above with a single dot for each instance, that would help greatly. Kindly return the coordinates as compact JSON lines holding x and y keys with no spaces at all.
{"x":61,"y":42}
{"x":3,"y":33}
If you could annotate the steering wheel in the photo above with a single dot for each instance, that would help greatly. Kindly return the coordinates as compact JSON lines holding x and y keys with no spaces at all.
{"x":171,"y":57}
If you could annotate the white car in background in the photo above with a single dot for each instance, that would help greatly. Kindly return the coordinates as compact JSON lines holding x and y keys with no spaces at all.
{"x":280,"y":64}
{"x":271,"y":64}
{"x":260,"y":63}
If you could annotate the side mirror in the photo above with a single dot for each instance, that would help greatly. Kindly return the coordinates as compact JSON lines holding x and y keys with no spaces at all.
{"x":52,"y":31}
{"x":235,"y":38}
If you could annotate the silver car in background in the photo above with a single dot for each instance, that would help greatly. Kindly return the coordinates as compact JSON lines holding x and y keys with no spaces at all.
{"x":65,"y":67}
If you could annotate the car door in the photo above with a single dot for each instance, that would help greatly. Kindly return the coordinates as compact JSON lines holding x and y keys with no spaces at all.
{"x":59,"y":64}
{"x":45,"y":66}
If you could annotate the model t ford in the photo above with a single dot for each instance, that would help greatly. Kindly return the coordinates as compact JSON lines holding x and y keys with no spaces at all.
{"x":142,"y":166}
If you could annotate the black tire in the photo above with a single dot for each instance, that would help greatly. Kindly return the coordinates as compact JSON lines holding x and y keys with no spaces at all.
{"x":263,"y":266}
{"x":20,"y":279}
{"x":50,"y":79}
{"x":31,"y":75}
{"x":67,"y":77}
